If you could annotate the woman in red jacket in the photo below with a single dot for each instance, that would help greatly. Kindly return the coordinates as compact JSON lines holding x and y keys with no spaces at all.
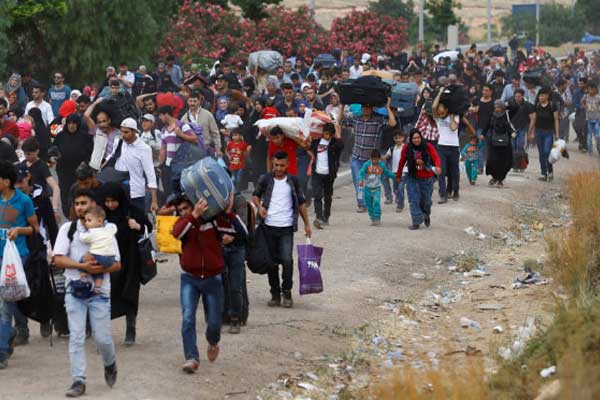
{"x":423,"y":165}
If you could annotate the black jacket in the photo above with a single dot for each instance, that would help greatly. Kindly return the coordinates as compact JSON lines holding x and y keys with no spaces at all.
{"x":334,"y":150}
{"x":264,"y":190}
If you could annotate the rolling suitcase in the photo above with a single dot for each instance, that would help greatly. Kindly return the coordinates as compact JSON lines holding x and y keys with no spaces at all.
{"x":207,"y":179}
{"x":366,"y":90}
{"x":520,"y":160}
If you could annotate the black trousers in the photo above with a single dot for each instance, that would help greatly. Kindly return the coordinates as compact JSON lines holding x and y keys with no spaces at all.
{"x":322,"y":186}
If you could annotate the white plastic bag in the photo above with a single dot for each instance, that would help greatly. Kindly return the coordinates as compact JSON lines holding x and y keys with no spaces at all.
{"x":13,"y":282}
{"x":292,"y":127}
{"x":557,"y":149}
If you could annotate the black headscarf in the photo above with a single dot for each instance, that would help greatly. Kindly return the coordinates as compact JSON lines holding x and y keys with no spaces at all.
{"x":413,"y":152}
{"x":73,"y":147}
{"x":116,"y":191}
{"x":42,"y":133}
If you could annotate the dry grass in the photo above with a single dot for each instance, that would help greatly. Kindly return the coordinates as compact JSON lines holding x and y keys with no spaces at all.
{"x":571,"y":342}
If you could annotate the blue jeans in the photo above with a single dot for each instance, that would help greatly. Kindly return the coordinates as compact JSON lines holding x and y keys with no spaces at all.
{"x":518,"y":143}
{"x":355,"y":166}
{"x":419,"y":198}
{"x":234,"y":275}
{"x":303,"y":178}
{"x":593,"y":131}
{"x":281,"y":246}
{"x":399,"y":190}
{"x":481,"y":151}
{"x":450,"y":160}
{"x":98,"y":308}
{"x":211,"y":291}
{"x":8,"y":310}
{"x":236,"y":177}
{"x":544,"y":140}
{"x":372,"y":198}
{"x":139,"y":203}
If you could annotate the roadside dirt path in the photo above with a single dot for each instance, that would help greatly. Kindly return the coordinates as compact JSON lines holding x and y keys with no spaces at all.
{"x":363,"y":268}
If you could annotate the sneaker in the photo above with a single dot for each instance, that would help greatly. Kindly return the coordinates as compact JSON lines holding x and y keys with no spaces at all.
{"x":376,"y":222}
{"x":110,"y":374}
{"x":21,"y":340}
{"x":399,"y":209}
{"x":3,"y":362}
{"x":455,"y":197}
{"x":388,"y":201}
{"x":413,"y":227}
{"x":472,"y":183}
{"x":235,"y":327}
{"x":190,"y":366}
{"x":551,"y":176}
{"x":492,"y":182}
{"x":212,"y":352}
{"x":11,"y":344}
{"x":325,"y":222}
{"x":275,"y":301}
{"x":129,"y":336}
{"x":361,"y":210}
{"x":427,"y":221}
{"x":287,"y":299}
{"x":543,"y":178}
{"x":45,"y":329}
{"x":77,"y":389}
{"x":318,"y":224}
{"x":443,"y":200}
{"x":500,"y":184}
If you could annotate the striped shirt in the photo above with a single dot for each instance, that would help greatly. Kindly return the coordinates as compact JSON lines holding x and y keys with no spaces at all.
{"x":171,"y":141}
{"x":367,"y":134}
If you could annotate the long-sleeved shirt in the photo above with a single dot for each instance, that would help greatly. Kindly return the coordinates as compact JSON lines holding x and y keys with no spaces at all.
{"x":136,"y":158}
{"x":367,"y":134}
{"x":101,"y":240}
{"x":210,"y":130}
{"x":44,"y":107}
{"x":370,"y":174}
{"x":423,"y":173}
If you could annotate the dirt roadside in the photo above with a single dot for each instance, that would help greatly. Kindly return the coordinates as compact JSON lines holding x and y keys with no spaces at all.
{"x":364,"y":269}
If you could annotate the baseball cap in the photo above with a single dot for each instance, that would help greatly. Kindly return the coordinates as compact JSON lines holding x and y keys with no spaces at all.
{"x":129,"y":123}
{"x":22,"y":172}
{"x":304,"y":86}
{"x":84,"y":171}
{"x":149,"y":117}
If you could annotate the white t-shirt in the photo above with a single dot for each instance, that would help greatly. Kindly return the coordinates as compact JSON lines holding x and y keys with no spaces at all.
{"x":323,"y":157}
{"x":75,"y":250}
{"x":396,"y":153}
{"x":447,"y":137}
{"x":232,"y":121}
{"x":281,"y":212}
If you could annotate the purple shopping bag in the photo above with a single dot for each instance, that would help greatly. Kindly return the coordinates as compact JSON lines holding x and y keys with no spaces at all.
{"x":309,"y":267}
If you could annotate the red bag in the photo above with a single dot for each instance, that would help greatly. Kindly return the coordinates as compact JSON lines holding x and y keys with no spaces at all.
{"x":317,"y":120}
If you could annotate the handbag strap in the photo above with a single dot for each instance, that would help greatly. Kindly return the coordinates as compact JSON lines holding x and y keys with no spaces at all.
{"x":116,"y":155}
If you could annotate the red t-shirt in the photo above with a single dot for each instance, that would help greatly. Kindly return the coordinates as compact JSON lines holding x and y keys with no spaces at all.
{"x":289,"y":146}
{"x":235,"y":153}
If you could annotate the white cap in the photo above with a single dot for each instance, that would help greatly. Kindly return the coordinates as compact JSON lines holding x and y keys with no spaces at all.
{"x":580,"y":61}
{"x":365,"y":58}
{"x":149,"y":117}
{"x":304,"y":86}
{"x":129,"y":123}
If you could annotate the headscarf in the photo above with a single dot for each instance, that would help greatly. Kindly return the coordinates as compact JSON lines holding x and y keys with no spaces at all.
{"x":220,"y":114}
{"x":501,"y":104}
{"x":116,"y":191}
{"x":42,"y":133}
{"x":166,"y":85}
{"x":73,"y":118}
{"x":75,"y":92}
{"x":13,"y":86}
{"x":415,"y":152}
{"x":306,"y":105}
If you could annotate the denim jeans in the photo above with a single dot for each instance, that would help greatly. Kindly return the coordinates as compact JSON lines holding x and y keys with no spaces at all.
{"x":8,"y":310}
{"x":544,"y":140}
{"x":518,"y":143}
{"x":450,"y":159}
{"x":236,"y":177}
{"x":281,"y":247}
{"x":593,"y":130}
{"x":211,"y":291}
{"x":399,"y":190}
{"x":482,"y":150}
{"x":139,"y":203}
{"x":355,"y":166}
{"x":234,"y":275}
{"x":387,"y":188}
{"x":322,"y":188}
{"x":419,"y":198}
{"x":98,"y":308}
{"x":303,"y":178}
{"x":372,"y":198}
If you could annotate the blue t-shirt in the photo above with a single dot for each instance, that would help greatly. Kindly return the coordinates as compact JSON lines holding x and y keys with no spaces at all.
{"x":14,"y":213}
{"x":58,"y":96}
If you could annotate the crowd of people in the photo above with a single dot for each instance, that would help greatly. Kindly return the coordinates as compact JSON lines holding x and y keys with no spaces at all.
{"x":58,"y":145}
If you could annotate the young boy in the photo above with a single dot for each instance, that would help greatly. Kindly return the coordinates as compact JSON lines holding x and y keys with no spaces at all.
{"x":394,"y":153}
{"x":237,"y":151}
{"x":325,"y":167}
{"x":101,"y":239}
{"x":231,"y":121}
{"x":470,"y":155}
{"x":369,"y":179}
{"x":202,"y":264}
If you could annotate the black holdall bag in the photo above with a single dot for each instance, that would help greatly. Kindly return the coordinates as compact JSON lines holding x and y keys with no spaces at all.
{"x":258,"y":257}
{"x":456,"y":99}
{"x":108,"y":172}
{"x":366,"y":90}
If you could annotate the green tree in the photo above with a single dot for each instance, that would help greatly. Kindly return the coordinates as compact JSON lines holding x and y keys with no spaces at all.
{"x":5,"y":23}
{"x":590,"y":11}
{"x":442,"y":15}
{"x":254,"y":9}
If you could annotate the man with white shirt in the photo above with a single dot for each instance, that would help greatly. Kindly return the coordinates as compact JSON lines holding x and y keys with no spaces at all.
{"x":135,"y":157}
{"x":356,"y":70}
{"x":126,"y":77}
{"x":38,"y":93}
{"x":81,"y":300}
{"x":279,"y":200}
